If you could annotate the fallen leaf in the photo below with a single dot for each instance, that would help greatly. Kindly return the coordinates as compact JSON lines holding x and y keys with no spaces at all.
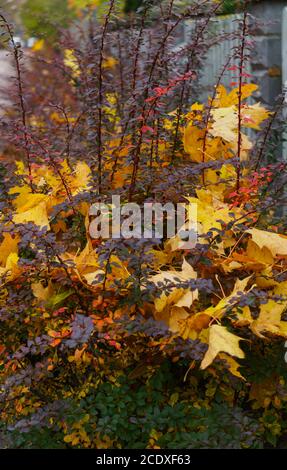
{"x":221,"y":340}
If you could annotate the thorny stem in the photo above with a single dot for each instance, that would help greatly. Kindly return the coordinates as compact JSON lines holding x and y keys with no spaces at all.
{"x":66,"y":269}
{"x":267,"y":131}
{"x":134,"y":82}
{"x":208,"y":116}
{"x":68,"y":129}
{"x":16,"y":54}
{"x":120,"y":72}
{"x":136,"y":156}
{"x":188,"y":65}
{"x":100,"y":79}
{"x":55,"y":165}
{"x":241,"y":68}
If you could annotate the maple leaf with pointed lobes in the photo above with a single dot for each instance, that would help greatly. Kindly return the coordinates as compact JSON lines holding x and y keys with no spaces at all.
{"x":269,"y":318}
{"x":224,"y":99}
{"x":253,"y":116}
{"x":232,"y":365}
{"x":221,"y":340}
{"x":212,"y":212}
{"x":11,"y":270}
{"x":254,"y":258}
{"x":37,"y":207}
{"x":87,"y":267}
{"x":225,"y":123}
{"x":30,"y":207}
{"x":170,"y":307}
{"x":9,"y":245}
{"x":276,"y":243}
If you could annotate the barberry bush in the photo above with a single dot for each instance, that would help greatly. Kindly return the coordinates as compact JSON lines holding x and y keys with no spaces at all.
{"x":140,"y":343}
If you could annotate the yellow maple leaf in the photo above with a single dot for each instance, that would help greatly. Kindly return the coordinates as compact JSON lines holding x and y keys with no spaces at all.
{"x":221,"y":340}
{"x":253,"y":116}
{"x":91,"y":272}
{"x":224,"y":99}
{"x":225,"y":123}
{"x":255,"y":259}
{"x":269,"y":319}
{"x":232,"y":364}
{"x":11,"y":270}
{"x":171,"y":307}
{"x":38,"y":215}
{"x":30,"y":207}
{"x":214,"y":148}
{"x":9,"y":245}
{"x":212,"y":212}
{"x":178,"y":296}
{"x":43,"y":294}
{"x":276,"y":243}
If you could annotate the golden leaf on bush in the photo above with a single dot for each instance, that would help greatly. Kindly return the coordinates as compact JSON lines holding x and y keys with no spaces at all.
{"x":232,"y":364}
{"x":38,"y":215}
{"x":252,"y":116}
{"x":169,"y":307}
{"x":42,"y":293}
{"x":212,"y":212}
{"x":30,"y":207}
{"x":225,"y":123}
{"x":178,"y":296}
{"x":221,"y":340}
{"x":9,"y":245}
{"x":276,"y":243}
{"x":224,"y":99}
{"x":11,"y":270}
{"x":269,"y":318}
{"x":255,"y":259}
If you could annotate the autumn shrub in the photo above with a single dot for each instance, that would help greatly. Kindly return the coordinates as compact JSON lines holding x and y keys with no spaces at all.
{"x":141,"y":343}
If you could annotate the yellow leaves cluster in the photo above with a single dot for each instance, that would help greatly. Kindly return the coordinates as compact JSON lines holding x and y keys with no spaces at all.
{"x":36,"y":206}
{"x":255,"y":251}
{"x":71,"y":62}
{"x":92,"y":274}
{"x":30,"y":207}
{"x":270,"y":313}
{"x":225,"y":100}
{"x":212,"y":211}
{"x":79,"y":434}
{"x":218,"y":137}
{"x":56,"y":186}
